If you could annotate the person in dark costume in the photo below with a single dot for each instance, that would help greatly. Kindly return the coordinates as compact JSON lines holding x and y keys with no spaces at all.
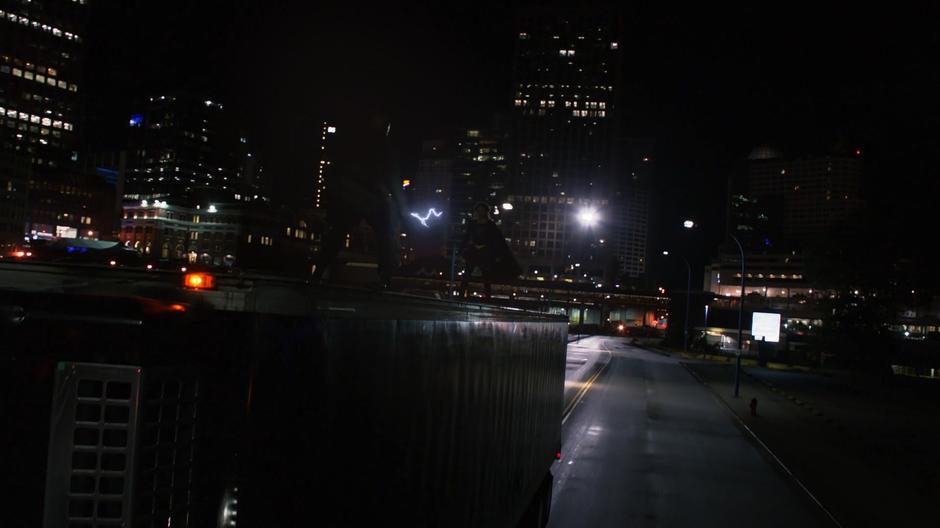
{"x":484,"y":248}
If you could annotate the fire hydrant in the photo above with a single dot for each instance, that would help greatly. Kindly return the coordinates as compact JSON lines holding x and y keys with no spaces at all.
{"x":753,"y":406}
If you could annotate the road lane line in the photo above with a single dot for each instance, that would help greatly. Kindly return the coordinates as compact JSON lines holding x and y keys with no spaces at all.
{"x":584,"y":388}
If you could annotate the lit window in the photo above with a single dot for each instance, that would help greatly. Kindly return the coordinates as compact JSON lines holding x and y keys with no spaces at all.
{"x":614,"y":45}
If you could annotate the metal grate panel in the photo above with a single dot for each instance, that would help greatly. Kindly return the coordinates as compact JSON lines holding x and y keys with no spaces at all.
{"x":121,"y":447}
{"x":167,"y":447}
{"x":91,"y":445}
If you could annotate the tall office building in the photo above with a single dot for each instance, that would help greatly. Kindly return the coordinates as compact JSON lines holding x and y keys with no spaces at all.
{"x":43,"y":190}
{"x":324,"y":169}
{"x":480,"y":175}
{"x":631,"y":204}
{"x":756,"y":222}
{"x":187,"y":150}
{"x":814,"y":193}
{"x":564,"y":126}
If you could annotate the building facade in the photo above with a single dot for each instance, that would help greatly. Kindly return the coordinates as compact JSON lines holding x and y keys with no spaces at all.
{"x":252,"y":235}
{"x":635,"y":171}
{"x":564,"y":127}
{"x":43,"y":189}
{"x":324,"y":165}
{"x":188,"y":150}
{"x":814,"y":193}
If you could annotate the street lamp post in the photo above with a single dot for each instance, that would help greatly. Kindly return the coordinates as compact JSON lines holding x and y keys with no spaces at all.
{"x":737,"y":361}
{"x":589,"y":217}
{"x":689,"y":224}
{"x":688,"y":299}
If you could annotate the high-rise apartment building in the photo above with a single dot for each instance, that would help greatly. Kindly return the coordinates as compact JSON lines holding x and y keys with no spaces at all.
{"x":631,"y":204}
{"x":815,"y":193}
{"x":43,"y":190}
{"x":324,"y":169}
{"x":480,"y":173}
{"x":187,"y":150}
{"x":756,"y":222}
{"x":564,"y":126}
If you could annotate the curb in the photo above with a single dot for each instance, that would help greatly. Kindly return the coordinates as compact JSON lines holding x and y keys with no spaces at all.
{"x":796,"y":401}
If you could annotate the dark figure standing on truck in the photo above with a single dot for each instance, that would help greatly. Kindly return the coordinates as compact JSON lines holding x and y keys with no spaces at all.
{"x":485,"y":248}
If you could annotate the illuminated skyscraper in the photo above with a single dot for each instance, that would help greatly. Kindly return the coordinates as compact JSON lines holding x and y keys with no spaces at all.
{"x":42,"y":189}
{"x":564,"y":126}
{"x":327,"y":132}
{"x":187,"y":149}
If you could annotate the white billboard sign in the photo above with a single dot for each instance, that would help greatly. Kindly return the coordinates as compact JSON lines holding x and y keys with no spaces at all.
{"x":767,"y":326}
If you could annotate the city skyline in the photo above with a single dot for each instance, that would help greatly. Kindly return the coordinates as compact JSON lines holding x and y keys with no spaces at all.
{"x":528,"y":263}
{"x":462,"y":57}
{"x":702,"y":131}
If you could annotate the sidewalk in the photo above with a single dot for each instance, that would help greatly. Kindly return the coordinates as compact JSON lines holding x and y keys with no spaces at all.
{"x":831,"y":463}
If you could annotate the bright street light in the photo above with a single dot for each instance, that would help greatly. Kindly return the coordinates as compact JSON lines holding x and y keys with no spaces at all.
{"x":507,"y":206}
{"x":688,"y":224}
{"x":588,"y":217}
{"x":666,"y":253}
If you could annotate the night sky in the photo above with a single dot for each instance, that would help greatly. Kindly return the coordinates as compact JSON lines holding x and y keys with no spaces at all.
{"x":707,"y":85}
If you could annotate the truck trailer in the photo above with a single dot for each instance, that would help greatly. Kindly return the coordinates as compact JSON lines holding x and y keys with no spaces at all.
{"x":145,"y":398}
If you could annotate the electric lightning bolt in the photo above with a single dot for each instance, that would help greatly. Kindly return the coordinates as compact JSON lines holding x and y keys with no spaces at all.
{"x":424,"y":219}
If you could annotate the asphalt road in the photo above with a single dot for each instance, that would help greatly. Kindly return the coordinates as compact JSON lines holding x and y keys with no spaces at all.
{"x":584,"y":358}
{"x":648,"y":445}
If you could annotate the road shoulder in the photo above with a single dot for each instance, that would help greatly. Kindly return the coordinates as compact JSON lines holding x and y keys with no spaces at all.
{"x":818,"y":455}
